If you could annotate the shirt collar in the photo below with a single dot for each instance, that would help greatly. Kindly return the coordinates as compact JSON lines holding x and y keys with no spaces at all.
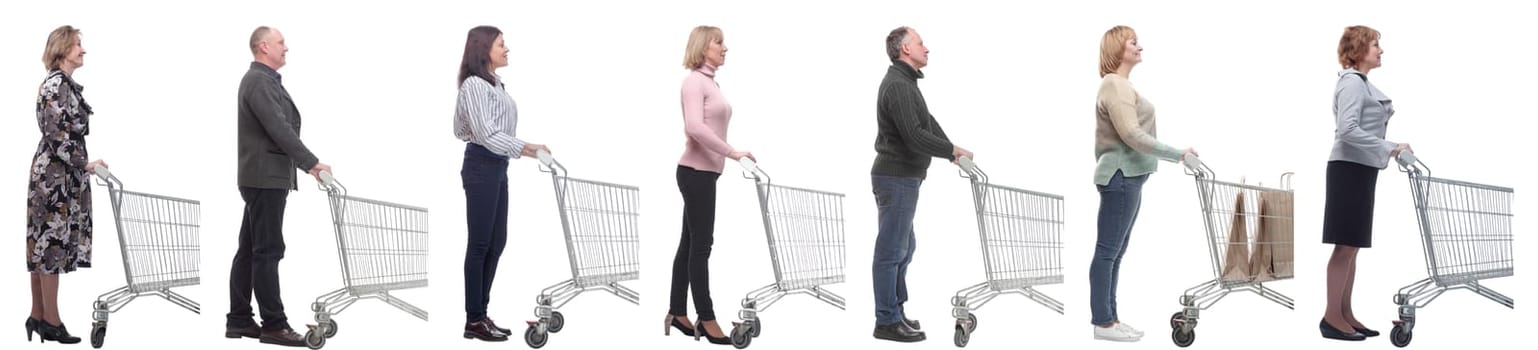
{"x":264,"y":68}
{"x":907,"y":70}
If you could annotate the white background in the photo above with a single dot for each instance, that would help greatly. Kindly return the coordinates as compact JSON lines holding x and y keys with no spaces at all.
{"x":1248,"y":85}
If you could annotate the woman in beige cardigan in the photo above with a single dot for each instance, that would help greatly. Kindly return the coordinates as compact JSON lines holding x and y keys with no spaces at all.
{"x":1126,"y":153}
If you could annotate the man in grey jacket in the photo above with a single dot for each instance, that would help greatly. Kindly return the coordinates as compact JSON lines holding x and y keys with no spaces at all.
{"x":270,"y":150}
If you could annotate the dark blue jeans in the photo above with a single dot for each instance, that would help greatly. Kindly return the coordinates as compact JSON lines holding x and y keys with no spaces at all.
{"x":1120,"y":200}
{"x":484,"y":174}
{"x":897,"y":199}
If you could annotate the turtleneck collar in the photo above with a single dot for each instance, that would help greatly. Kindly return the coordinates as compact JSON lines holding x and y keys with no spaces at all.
{"x":707,"y":69}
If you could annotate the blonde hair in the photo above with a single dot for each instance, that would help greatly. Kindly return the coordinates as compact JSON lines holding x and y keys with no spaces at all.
{"x":1112,"y":46}
{"x":1355,"y":43}
{"x":59,"y":43}
{"x":699,"y":41}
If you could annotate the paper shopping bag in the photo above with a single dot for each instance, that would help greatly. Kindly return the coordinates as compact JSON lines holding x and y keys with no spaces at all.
{"x":1236,"y":258}
{"x":1276,"y":228}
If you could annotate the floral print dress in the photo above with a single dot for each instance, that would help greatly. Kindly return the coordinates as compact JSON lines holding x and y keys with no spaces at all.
{"x":59,"y":194}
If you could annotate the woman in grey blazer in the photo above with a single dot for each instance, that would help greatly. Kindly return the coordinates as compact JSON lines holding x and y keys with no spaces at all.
{"x":1360,"y":151}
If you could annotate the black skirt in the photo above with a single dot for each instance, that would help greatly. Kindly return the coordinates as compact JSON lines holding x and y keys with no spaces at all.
{"x":1348,"y":203}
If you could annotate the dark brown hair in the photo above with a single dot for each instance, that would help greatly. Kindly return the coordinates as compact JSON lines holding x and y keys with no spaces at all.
{"x":477,"y":59}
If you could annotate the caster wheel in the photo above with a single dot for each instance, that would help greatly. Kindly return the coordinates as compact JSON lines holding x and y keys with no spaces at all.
{"x":962,"y":336}
{"x":330,"y":327}
{"x":971,"y":324}
{"x":1177,"y":319}
{"x":1400,"y":336}
{"x":98,"y":334}
{"x":535,"y":338}
{"x":756,"y":327}
{"x":557,"y":322}
{"x":742,"y":336}
{"x":313,"y":339}
{"x":1183,"y":338}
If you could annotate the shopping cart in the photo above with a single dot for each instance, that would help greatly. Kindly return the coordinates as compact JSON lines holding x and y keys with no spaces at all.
{"x":1466,"y":234}
{"x":805,"y":229}
{"x":602,"y":226}
{"x":1022,"y":242}
{"x":1231,"y":232}
{"x":382,"y":247}
{"x":160,"y":247}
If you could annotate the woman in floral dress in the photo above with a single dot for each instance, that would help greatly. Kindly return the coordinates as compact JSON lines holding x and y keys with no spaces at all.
{"x":59,"y":193}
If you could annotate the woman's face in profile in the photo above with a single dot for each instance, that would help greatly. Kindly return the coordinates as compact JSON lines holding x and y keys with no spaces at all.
{"x":715,"y":54}
{"x":498,"y":53}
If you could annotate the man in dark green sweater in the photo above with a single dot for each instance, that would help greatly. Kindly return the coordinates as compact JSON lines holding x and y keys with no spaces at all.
{"x":908,"y":138}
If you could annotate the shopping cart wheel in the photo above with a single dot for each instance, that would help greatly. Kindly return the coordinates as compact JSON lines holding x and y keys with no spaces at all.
{"x":313,"y":339}
{"x":98,"y":334}
{"x":330,"y":328}
{"x":1183,"y":338}
{"x":557,"y":321}
{"x":1177,"y":320}
{"x":971,"y":323}
{"x":1400,"y":336}
{"x":962,"y":336}
{"x":756,"y":327}
{"x":535,"y":338}
{"x":741,"y":337}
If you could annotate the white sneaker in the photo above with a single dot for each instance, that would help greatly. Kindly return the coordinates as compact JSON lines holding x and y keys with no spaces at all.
{"x":1115,"y":333}
{"x":1128,"y":328}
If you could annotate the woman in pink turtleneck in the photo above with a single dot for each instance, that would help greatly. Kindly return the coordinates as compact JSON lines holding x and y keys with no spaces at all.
{"x":706,"y":114}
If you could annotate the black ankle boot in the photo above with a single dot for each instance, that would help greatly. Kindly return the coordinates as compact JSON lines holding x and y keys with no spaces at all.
{"x":55,"y":333}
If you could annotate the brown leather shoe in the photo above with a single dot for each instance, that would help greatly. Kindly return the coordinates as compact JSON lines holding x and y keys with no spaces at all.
{"x":283,"y":337}
{"x":250,"y":331}
{"x":483,"y":331}
{"x":494,"y":325}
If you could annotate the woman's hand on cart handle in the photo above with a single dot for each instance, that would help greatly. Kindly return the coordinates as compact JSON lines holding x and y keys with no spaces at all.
{"x":1404,"y":154}
{"x":94,"y":165}
{"x":1190,"y":158}
{"x":544,"y":157}
{"x":98,"y":167}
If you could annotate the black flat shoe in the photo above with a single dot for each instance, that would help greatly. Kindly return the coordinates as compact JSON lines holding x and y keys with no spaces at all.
{"x":1366,"y":332}
{"x":1329,"y":332}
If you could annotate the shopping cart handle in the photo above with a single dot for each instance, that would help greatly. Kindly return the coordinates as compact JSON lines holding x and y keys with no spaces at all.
{"x":327,"y":179}
{"x":967,"y":164}
{"x":748,"y":164}
{"x":1406,"y":158}
{"x":1191,"y":161}
{"x":544,"y":157}
{"x":101,"y":170}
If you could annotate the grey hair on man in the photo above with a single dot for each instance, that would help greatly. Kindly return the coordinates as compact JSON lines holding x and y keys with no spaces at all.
{"x":895,"y":41}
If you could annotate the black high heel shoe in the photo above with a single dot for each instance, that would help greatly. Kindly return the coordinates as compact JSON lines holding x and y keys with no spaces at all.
{"x":55,"y":333}
{"x":1328,"y":331}
{"x":674,"y":323}
{"x":700,"y":330}
{"x":31,"y":327}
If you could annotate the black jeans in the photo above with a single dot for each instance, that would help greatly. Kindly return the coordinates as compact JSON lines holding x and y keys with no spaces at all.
{"x":484,"y":175}
{"x":255,"y":268}
{"x":691,"y":266}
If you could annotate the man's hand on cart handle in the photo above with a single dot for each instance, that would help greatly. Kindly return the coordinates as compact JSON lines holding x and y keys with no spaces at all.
{"x":322,"y":173}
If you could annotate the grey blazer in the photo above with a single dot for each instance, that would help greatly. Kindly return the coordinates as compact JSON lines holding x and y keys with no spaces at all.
{"x":269,"y":145}
{"x":1362,"y":113}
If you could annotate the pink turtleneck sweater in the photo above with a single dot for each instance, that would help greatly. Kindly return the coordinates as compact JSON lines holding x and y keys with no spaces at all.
{"x":706,"y":114}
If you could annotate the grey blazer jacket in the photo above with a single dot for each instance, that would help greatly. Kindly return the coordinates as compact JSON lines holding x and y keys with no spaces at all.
{"x":269,"y":147}
{"x":1362,"y":113}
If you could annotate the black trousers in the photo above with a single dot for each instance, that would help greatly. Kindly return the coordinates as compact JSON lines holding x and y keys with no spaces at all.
{"x":255,"y":268}
{"x":691,"y":266}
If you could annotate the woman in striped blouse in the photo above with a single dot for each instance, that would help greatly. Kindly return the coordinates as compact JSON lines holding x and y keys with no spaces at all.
{"x":487,"y":120}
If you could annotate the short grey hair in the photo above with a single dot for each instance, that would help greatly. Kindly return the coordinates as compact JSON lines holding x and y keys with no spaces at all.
{"x":895,"y":41}
{"x":257,"y":36}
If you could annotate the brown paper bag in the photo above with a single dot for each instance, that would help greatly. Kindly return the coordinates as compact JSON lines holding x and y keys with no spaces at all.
{"x":1261,"y":267}
{"x":1276,"y":226}
{"x":1237,"y":257}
